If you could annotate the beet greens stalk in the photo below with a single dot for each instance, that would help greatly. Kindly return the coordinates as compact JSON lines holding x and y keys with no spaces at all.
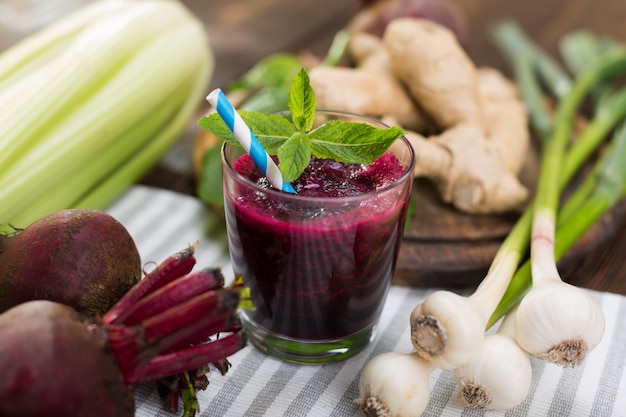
{"x":169,"y":328}
{"x":172,"y":324}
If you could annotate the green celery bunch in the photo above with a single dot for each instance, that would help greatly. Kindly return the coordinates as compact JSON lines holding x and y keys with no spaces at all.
{"x":92,"y":102}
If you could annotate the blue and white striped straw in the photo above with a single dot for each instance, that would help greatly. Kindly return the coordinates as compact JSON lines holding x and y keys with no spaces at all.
{"x":247,"y":139}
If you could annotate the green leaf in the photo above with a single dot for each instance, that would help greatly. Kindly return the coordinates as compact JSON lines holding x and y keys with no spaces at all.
{"x":351,"y":142}
{"x":215,"y":125}
{"x":209,"y":187}
{"x":267,"y":100}
{"x":191,"y":405}
{"x":338,"y":48}
{"x":294,"y":142}
{"x":272,"y":130}
{"x":276,"y":70}
{"x":294,"y":156}
{"x":302,"y":102}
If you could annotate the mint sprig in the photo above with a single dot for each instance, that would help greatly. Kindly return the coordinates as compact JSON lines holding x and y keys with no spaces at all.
{"x":294,"y":141}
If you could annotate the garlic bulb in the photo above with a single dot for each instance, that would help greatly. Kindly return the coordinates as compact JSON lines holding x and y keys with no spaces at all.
{"x":447,"y":329}
{"x":395,"y":384}
{"x":499,"y":376}
{"x":558,"y":322}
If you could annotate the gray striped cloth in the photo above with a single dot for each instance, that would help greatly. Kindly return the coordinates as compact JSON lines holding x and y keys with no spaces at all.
{"x":163,"y":222}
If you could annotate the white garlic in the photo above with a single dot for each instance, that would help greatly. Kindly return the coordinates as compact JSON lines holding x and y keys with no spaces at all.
{"x":558,"y":322}
{"x":498,"y":377}
{"x":447,"y":329}
{"x":395,"y":384}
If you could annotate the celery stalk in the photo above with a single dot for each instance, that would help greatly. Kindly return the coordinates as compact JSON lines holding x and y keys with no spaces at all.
{"x":42,"y":46}
{"x":127,"y":174}
{"x":62,"y":85}
{"x":95,"y":171}
{"x":158,"y":67}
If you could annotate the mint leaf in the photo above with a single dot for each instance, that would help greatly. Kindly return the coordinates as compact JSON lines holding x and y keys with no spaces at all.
{"x":294,"y":156}
{"x":271,"y":130}
{"x":209,"y":186}
{"x":302,"y":102}
{"x":276,"y":70}
{"x":294,"y":141}
{"x":267,"y":100}
{"x":351,"y":142}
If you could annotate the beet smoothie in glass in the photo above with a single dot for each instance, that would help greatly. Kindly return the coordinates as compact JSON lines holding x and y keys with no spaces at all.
{"x":319,"y":263}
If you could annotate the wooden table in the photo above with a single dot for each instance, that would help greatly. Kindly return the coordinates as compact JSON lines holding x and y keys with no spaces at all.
{"x":243,"y":31}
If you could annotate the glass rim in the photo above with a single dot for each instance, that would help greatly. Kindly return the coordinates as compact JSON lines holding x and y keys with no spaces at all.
{"x":296,"y":197}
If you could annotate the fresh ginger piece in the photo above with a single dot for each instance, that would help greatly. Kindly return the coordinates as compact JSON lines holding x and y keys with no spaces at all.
{"x":467,"y":171}
{"x":369,"y":88}
{"x":475,"y":161}
{"x":506,"y":118}
{"x":366,"y":92}
{"x":369,"y":53}
{"x":439,"y":75}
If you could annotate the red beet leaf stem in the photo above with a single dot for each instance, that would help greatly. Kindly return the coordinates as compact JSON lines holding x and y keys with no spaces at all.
{"x":187,"y":359}
{"x":201,"y":331}
{"x":177,"y":318}
{"x":172,"y":294}
{"x":167,"y":271}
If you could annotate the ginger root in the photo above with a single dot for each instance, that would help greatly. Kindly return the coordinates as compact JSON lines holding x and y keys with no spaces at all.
{"x":476,"y":159}
{"x":440,"y":76}
{"x":505,"y":118}
{"x":369,"y":88}
{"x":365,"y":92}
{"x":467,"y":170}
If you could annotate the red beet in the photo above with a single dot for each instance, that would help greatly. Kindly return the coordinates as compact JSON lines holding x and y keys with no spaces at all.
{"x":82,"y":258}
{"x":55,"y":362}
{"x":51,"y":364}
{"x":378,"y":13}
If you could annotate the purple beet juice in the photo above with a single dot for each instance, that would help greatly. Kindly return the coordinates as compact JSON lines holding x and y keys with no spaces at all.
{"x":318,"y":264}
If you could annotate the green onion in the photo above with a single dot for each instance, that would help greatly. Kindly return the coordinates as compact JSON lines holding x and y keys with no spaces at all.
{"x":530,"y":63}
{"x":609,"y":112}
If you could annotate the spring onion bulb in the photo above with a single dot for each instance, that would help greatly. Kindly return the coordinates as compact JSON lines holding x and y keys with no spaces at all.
{"x":448,"y":329}
{"x":499,"y":376}
{"x":395,"y":384}
{"x":556,"y":321}
{"x":592,"y":198}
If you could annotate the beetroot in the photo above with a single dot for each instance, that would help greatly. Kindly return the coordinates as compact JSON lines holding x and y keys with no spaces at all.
{"x":51,"y":364}
{"x":376,"y":14}
{"x":82,"y":258}
{"x":56,"y":362}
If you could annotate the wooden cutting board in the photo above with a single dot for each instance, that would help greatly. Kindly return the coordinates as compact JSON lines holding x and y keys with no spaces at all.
{"x":444,"y":247}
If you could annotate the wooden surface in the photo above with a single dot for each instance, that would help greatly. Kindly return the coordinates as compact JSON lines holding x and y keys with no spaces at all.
{"x":243,"y":31}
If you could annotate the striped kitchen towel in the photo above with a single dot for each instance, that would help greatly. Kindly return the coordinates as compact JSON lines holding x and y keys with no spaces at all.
{"x":163,"y":222}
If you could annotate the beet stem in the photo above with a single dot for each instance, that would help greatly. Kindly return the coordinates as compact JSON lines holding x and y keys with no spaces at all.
{"x":200,"y":331}
{"x":187,"y":359}
{"x":173,"y":267}
{"x":189,"y":323}
{"x":173,"y":294}
{"x":177,"y":318}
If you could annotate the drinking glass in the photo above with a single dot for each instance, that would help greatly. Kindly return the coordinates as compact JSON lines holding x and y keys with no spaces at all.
{"x":318,"y":268}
